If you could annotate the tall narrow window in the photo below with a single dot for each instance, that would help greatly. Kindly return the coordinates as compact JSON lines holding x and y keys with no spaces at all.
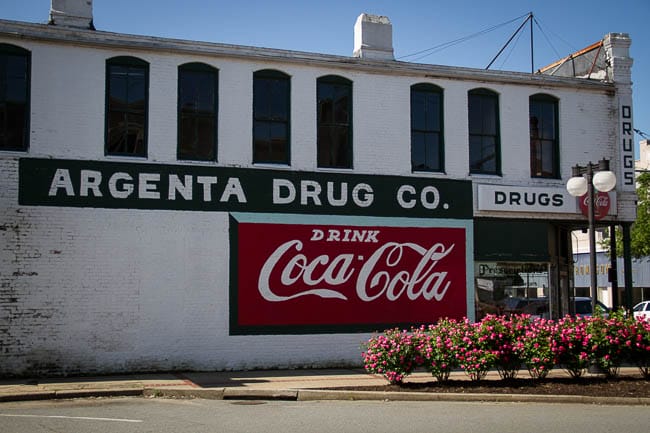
{"x":14,"y":97}
{"x":484,"y":140}
{"x":271,"y":117}
{"x":427,"y":143}
{"x":197,"y":112}
{"x":334,"y":98}
{"x":127,"y":94}
{"x":544,"y":142}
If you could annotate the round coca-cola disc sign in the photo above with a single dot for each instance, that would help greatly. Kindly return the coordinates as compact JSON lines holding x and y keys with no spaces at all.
{"x":601,"y":208}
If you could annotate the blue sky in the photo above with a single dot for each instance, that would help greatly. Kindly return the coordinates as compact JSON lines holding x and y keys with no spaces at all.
{"x":327,"y":27}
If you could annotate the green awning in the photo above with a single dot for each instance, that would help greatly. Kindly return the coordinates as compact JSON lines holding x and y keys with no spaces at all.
{"x":508,"y":240}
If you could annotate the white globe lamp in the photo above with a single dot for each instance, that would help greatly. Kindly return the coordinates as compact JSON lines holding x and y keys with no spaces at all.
{"x":604,"y":180}
{"x":577,"y":186}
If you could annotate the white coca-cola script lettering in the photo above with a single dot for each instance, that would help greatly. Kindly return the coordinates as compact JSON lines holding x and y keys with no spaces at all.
{"x":601,"y":201}
{"x":425,"y":280}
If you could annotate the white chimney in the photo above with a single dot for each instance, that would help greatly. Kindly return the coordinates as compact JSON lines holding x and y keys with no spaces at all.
{"x":72,"y":13}
{"x":373,"y":38}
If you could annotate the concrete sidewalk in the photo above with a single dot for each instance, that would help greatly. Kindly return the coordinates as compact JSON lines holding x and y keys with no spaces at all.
{"x":274,"y":384}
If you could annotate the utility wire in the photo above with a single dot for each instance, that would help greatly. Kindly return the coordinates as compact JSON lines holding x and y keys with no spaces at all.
{"x":568,"y":44}
{"x":529,"y":16}
{"x":547,"y":38}
{"x":511,"y":50}
{"x":642,"y":134}
{"x":427,"y":52}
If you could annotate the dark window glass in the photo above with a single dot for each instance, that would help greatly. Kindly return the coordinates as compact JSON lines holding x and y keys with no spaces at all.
{"x":426,"y":128}
{"x":334,"y":98}
{"x":544,"y":143}
{"x":14,"y":97}
{"x":127,"y":87}
{"x":271,"y":117}
{"x":197,"y":112}
{"x":484,"y":141}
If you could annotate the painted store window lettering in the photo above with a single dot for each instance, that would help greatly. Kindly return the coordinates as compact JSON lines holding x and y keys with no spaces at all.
{"x":512,"y":288}
{"x":197,"y":112}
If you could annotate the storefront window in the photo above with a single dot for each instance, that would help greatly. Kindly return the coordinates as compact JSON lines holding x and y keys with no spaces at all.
{"x":512,"y":288}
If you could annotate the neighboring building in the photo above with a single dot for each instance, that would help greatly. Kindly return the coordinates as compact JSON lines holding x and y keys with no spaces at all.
{"x":643,"y":163}
{"x":640,"y":266}
{"x":640,"y":278}
{"x":169,"y":204}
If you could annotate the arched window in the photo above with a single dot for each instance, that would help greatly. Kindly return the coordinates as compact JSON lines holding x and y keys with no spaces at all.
{"x":544,"y":137}
{"x":15,"y":65}
{"x":334,"y":99}
{"x":198,"y":88}
{"x":484,"y":136}
{"x":427,"y":140}
{"x":271,"y":117}
{"x":127,"y":101}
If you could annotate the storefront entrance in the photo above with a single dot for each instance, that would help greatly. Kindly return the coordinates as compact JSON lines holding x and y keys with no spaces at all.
{"x":521,"y":267}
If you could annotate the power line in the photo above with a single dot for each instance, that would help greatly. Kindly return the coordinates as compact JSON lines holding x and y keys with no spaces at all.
{"x":427,"y":52}
{"x":511,"y":50}
{"x":529,"y":16}
{"x":547,"y":38}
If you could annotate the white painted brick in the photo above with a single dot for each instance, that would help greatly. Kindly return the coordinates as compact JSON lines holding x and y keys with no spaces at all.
{"x":99,"y":290}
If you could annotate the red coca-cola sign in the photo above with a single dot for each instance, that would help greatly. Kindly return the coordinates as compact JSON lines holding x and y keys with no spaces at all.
{"x":336,"y":277}
{"x":601,"y":205}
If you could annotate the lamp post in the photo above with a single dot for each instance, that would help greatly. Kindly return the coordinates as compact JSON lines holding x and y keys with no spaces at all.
{"x":586,"y":179}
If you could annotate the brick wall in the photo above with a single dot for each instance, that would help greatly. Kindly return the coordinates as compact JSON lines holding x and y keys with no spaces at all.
{"x":99,"y":290}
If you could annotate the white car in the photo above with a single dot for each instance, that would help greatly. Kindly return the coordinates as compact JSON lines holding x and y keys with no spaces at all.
{"x":642,"y":309}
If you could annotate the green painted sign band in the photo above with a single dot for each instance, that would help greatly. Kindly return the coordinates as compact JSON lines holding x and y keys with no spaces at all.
{"x":126,"y":185}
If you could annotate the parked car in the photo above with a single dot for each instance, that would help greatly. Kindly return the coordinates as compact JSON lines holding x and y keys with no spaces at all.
{"x":642,"y":309}
{"x":535,"y":307}
{"x":583,"y":306}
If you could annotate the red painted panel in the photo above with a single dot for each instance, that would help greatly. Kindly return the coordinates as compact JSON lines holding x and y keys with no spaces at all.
{"x":313,"y":275}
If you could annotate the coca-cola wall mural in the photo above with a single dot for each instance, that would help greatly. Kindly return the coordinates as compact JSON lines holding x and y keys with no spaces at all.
{"x":302,"y":274}
{"x":309,"y":252}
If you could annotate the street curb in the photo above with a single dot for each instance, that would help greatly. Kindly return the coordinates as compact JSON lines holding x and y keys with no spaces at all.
{"x":260,"y":394}
{"x":312,"y":395}
{"x":28,"y":396}
{"x":319,"y":394}
{"x":71,"y":393}
{"x":90,"y":393}
{"x":208,"y":394}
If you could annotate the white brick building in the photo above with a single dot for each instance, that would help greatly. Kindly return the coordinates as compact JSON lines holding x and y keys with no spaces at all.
{"x":131,"y":221}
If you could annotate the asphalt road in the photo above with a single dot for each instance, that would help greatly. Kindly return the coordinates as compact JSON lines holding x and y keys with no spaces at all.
{"x":119,"y":415}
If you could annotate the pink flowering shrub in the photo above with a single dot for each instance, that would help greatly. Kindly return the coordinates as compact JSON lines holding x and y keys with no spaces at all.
{"x":570,"y":344}
{"x":473,"y":351}
{"x":610,"y":341}
{"x":639,"y":345}
{"x":498,"y":335}
{"x":505,"y":343}
{"x":391,"y":354}
{"x":534,"y":346}
{"x":438,"y":348}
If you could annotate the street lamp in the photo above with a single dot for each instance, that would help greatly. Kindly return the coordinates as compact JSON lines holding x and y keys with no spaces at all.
{"x":584,"y":180}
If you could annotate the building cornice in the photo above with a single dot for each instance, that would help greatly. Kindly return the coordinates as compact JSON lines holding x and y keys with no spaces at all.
{"x":102,"y":39}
